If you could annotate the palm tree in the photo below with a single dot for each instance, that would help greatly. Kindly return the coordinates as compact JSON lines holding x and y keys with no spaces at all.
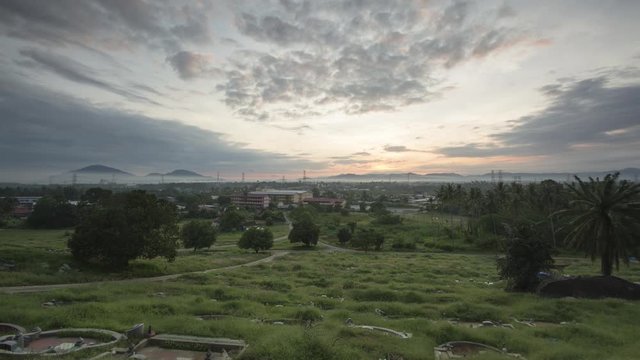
{"x":604,"y":219}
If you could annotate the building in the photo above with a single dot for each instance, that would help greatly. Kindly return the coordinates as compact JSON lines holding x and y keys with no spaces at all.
{"x":326,"y":201}
{"x":284,"y":196}
{"x":256,"y":201}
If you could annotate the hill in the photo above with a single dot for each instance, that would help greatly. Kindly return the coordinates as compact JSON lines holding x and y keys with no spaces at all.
{"x":100,"y":169}
{"x":183,"y":173}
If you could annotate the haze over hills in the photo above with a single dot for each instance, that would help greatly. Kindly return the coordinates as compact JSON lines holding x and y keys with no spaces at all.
{"x":631,"y":174}
{"x":101,"y":174}
{"x":100,"y":169}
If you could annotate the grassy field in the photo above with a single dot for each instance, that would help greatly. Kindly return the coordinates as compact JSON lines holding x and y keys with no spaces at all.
{"x":39,"y":254}
{"x":428,"y":231}
{"x":417,"y":293}
{"x":231,"y":238}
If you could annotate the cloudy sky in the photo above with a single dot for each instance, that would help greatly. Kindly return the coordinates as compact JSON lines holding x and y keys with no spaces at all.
{"x":270,"y":88}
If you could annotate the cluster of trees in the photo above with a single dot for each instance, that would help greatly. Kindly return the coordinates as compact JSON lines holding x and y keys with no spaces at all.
{"x":114,"y":229}
{"x":53,"y":213}
{"x":600,"y":217}
{"x":514,"y":204}
{"x":361,"y":237}
{"x":6,"y":207}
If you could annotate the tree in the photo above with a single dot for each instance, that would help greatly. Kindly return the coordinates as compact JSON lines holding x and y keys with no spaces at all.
{"x":367,"y":238}
{"x":604,"y":219}
{"x":94,"y":195}
{"x":232,"y":219}
{"x":257,"y":239}
{"x":525,"y":257}
{"x":305,"y":231}
{"x":344,"y":235}
{"x":6,"y":207}
{"x":52,"y":212}
{"x":198,"y":234}
{"x":124,"y":227}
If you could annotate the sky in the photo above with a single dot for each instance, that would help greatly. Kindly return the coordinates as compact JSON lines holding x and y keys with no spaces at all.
{"x":272,"y":88}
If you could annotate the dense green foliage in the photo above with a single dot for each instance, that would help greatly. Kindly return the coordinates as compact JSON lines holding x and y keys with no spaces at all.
{"x":367,"y":238}
{"x":232,"y":219}
{"x":124,"y":227}
{"x":305,"y":231}
{"x":344,"y":235}
{"x":198,"y":234}
{"x":604,"y":220}
{"x":526,"y":256}
{"x":304,"y":228}
{"x":53,"y":213}
{"x":257,"y":239}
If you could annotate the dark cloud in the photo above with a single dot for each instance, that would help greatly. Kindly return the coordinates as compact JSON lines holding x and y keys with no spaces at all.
{"x":581,"y":115}
{"x":399,"y":148}
{"x":107,"y":24}
{"x":352,"y":57}
{"x":48,"y":132}
{"x":76,"y":72}
{"x":191,"y":65}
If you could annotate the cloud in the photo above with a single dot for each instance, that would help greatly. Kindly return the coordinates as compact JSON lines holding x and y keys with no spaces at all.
{"x":582,"y":117}
{"x":190,"y":65}
{"x":108,"y":24}
{"x":339,"y":56}
{"x":361,"y":153}
{"x":48,"y":132}
{"x":399,"y":149}
{"x":76,"y":72}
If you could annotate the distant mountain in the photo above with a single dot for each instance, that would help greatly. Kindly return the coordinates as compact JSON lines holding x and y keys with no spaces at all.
{"x":183,"y":173}
{"x":100,"y":169}
{"x":627,"y":173}
{"x":154,"y":174}
{"x":444,"y":174}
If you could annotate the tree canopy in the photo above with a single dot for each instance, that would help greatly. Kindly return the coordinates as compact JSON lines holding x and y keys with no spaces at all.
{"x":304,"y":229}
{"x":257,"y":239}
{"x":50,"y":212}
{"x":604,"y":219}
{"x":198,"y":234}
{"x":232,"y":219}
{"x":367,"y":238}
{"x":123,"y":227}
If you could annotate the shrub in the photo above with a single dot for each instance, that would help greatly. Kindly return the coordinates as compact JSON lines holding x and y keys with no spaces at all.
{"x":524,"y":259}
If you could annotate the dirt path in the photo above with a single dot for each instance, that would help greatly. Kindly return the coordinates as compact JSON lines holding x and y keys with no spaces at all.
{"x":40,"y":288}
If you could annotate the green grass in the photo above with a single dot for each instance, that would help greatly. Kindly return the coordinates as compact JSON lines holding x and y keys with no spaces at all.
{"x":231,"y":238}
{"x":418,"y":292}
{"x":39,"y":254}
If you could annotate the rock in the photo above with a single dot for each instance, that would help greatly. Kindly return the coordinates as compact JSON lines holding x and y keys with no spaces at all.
{"x":591,"y":287}
{"x":349,"y":322}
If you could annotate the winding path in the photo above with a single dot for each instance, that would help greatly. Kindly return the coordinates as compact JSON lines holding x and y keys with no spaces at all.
{"x":40,"y":288}
{"x":274,"y":255}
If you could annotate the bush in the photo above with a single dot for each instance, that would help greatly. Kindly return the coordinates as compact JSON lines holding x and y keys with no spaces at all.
{"x":344,"y":235}
{"x":524,"y":259}
{"x":403,"y":245}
